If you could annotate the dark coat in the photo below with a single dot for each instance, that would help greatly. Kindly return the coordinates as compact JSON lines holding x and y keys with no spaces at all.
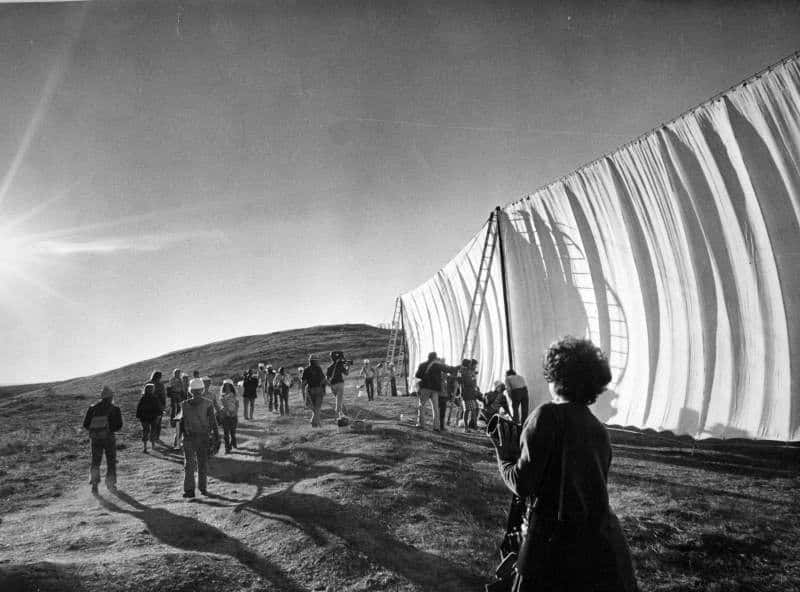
{"x":148,"y":409}
{"x":104,"y":407}
{"x":569,"y":435}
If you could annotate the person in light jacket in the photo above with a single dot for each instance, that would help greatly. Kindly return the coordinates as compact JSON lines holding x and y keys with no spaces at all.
{"x":280,"y":384}
{"x":573,"y":542}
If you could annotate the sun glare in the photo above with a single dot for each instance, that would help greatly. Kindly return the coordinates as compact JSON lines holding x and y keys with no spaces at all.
{"x":16,"y":255}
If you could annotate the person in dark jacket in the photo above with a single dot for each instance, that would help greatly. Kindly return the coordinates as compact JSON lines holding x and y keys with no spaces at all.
{"x":197,"y":423}
{"x":573,"y":542}
{"x":161,"y":394}
{"x":314,"y":382}
{"x":335,"y":374}
{"x":249,"y":393}
{"x":103,"y":420}
{"x":430,"y":386}
{"x":148,"y":411}
{"x":469,"y":394}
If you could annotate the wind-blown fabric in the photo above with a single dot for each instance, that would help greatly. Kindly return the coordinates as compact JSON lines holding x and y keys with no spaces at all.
{"x":436,"y":314}
{"x":678,"y":254}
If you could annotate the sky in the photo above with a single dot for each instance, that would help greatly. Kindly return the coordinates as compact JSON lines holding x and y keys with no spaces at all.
{"x":176,"y":173}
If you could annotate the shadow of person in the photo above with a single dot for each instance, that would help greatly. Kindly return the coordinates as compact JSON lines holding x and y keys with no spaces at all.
{"x":190,"y":534}
{"x":431,"y":572}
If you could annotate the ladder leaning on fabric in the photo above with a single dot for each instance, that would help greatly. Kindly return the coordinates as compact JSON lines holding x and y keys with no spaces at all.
{"x":396,"y":348}
{"x":481,"y":283}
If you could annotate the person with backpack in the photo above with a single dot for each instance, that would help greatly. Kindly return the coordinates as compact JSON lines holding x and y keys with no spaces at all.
{"x":429,"y":374}
{"x":335,"y":374}
{"x":280,"y":385}
{"x":249,"y":393}
{"x":103,"y":420}
{"x":148,"y":411}
{"x":229,"y":413}
{"x":314,"y":382}
{"x":196,"y":424}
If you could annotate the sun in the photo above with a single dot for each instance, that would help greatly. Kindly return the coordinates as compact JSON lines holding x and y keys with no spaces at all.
{"x":13,"y":254}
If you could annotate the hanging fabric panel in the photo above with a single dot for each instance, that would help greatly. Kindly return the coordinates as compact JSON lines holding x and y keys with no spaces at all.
{"x":437,"y":312}
{"x":679,"y":255}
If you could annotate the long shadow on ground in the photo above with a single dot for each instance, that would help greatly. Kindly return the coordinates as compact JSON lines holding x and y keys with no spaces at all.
{"x":347,"y":522}
{"x":189,"y":534}
{"x":762,"y":467}
{"x":42,"y":577}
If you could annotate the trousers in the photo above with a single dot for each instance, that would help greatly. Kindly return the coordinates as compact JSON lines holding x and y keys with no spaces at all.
{"x":107,"y":446}
{"x":428,"y":395}
{"x":195,"y":457}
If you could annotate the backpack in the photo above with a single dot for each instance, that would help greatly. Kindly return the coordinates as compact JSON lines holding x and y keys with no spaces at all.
{"x":99,"y":428}
{"x":229,"y":405}
{"x":315,"y":376}
{"x":195,"y":416}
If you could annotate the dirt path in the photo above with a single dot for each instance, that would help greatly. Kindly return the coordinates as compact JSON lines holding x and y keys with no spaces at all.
{"x":293,"y":509}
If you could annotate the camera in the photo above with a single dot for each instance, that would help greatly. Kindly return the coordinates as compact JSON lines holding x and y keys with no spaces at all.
{"x":338,"y":356}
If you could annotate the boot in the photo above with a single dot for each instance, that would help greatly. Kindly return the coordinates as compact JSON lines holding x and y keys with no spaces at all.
{"x":94,"y":487}
{"x":188,"y":493}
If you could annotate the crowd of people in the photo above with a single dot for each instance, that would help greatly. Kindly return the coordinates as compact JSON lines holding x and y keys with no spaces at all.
{"x":455,"y":398}
{"x":196,"y":411}
{"x":555,"y":460}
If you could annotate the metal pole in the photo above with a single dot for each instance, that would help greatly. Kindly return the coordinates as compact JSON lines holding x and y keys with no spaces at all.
{"x":404,"y":341}
{"x":505,"y":286}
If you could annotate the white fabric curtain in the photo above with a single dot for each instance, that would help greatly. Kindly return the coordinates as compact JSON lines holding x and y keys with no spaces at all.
{"x":679,"y":254}
{"x":437,"y":312}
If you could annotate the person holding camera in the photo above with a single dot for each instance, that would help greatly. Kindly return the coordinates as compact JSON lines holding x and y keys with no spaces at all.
{"x":572,"y":541}
{"x":335,"y":373}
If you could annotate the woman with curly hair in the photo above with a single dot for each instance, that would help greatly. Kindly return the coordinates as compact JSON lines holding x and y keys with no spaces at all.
{"x":572,"y":540}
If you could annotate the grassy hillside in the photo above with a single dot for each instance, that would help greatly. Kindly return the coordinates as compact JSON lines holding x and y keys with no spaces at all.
{"x":396,"y":508}
{"x":223,"y":359}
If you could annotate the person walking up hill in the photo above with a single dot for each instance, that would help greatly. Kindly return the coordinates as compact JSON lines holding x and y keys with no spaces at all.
{"x":198,"y":414}
{"x":103,"y":420}
{"x":335,"y":374}
{"x":161,"y":395}
{"x":148,"y":411}
{"x":314,"y":382}
{"x":229,"y":414}
{"x":249,"y":393}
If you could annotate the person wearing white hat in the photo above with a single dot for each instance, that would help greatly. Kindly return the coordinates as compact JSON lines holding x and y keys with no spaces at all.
{"x":299,"y":379}
{"x":103,"y":420}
